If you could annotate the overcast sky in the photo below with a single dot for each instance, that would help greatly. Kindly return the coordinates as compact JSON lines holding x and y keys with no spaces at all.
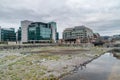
{"x":103,"y":16}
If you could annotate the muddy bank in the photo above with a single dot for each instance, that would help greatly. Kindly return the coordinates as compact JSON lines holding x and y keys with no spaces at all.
{"x":63,"y":51}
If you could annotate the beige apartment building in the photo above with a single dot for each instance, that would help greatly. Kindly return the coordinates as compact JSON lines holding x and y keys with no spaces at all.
{"x":78,"y":34}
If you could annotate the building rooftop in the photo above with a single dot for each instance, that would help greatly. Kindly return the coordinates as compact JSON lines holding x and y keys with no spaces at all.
{"x":76,"y":28}
{"x":82,"y":27}
{"x":9,"y":29}
{"x":38,"y":23}
{"x":68,"y":29}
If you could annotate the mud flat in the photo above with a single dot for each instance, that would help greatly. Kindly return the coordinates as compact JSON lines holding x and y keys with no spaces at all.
{"x":46,"y":63}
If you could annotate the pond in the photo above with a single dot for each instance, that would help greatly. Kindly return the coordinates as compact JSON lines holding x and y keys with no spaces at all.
{"x":106,"y":67}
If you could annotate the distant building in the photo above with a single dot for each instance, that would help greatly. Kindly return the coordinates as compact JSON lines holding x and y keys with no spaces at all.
{"x":7,"y":34}
{"x":106,"y":37}
{"x":18,"y":35}
{"x":53,"y":27}
{"x":116,"y":37}
{"x":38,"y":32}
{"x":96,"y":35}
{"x":80,"y":34}
{"x":57,"y":36}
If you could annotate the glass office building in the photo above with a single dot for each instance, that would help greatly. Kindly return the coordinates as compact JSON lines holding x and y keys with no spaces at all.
{"x":7,"y":34}
{"x":42,"y":32}
{"x":18,"y":34}
{"x":39,"y":31}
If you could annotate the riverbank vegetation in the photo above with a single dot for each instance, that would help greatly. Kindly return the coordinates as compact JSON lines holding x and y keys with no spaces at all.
{"x":43,"y":63}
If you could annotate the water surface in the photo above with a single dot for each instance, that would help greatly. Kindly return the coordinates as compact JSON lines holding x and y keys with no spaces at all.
{"x":106,"y":67}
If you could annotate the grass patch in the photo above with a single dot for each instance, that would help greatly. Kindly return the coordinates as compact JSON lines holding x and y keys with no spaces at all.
{"x":8,"y":58}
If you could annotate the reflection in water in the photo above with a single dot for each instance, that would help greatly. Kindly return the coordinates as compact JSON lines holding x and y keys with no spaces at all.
{"x":99,"y":69}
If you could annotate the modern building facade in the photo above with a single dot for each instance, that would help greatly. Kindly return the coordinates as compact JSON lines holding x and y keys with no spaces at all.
{"x":96,"y":35}
{"x":116,"y":37}
{"x":18,"y":35}
{"x":7,"y":34}
{"x":80,"y":34}
{"x":53,"y":27}
{"x":24,"y":30}
{"x":38,"y":32}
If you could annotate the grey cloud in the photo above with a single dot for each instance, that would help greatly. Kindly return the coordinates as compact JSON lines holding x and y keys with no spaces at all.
{"x":109,"y":27}
{"x":102,"y":16}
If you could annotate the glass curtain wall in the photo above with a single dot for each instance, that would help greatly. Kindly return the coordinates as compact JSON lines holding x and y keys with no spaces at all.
{"x":39,"y":31}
